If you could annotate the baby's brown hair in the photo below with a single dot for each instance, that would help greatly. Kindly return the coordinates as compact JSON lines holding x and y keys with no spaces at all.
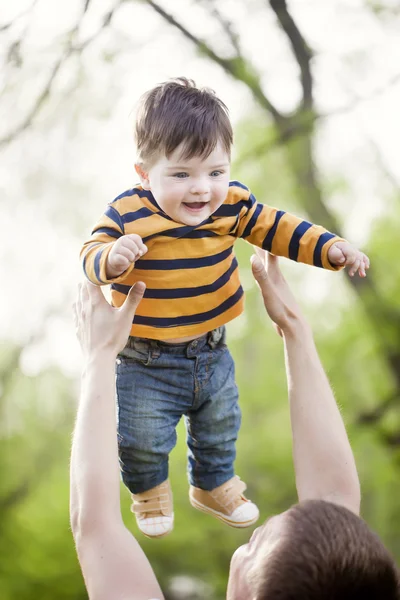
{"x":177,"y":112}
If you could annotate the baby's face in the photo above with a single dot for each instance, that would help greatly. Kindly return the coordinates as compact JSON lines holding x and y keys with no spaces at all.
{"x":189,"y":191}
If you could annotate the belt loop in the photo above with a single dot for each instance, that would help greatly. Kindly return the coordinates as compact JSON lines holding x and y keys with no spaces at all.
{"x":154,"y":350}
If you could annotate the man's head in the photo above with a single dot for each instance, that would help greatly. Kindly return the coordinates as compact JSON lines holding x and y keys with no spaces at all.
{"x":314,"y":551}
{"x":184,"y":139}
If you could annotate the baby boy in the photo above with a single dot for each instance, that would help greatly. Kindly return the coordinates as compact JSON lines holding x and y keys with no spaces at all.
{"x":176,"y":231}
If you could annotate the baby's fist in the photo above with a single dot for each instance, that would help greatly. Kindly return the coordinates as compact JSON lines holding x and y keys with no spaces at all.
{"x":126,"y":250}
{"x":344,"y":254}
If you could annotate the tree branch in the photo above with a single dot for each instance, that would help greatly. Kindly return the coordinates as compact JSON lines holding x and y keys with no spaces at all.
{"x":27,"y":121}
{"x":226,"y":26}
{"x":303,"y":121}
{"x":391,"y":439}
{"x":376,"y":414}
{"x":8,"y":25}
{"x":237,"y":67}
{"x":70,"y":49}
{"x":300,"y":49}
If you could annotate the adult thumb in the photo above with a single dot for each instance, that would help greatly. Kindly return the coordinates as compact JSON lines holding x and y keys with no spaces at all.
{"x":258,"y":269}
{"x":134,"y":297}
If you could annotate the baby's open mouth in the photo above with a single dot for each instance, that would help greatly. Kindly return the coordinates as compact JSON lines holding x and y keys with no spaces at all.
{"x":195,"y":205}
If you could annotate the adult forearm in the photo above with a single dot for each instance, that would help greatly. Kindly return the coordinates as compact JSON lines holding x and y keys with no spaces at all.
{"x":323,"y":459}
{"x":94,"y":458}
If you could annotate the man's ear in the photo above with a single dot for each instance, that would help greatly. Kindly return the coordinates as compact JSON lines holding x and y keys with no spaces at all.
{"x":144,"y":176}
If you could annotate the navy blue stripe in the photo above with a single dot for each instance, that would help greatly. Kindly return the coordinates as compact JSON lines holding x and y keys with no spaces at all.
{"x":134,"y":192}
{"x":294,"y":243}
{"x":182,"y":232}
{"x":131,"y":192}
{"x":238,"y":184}
{"x":190,"y":319}
{"x":323,"y":238}
{"x":86,"y":255}
{"x":143,"y":194}
{"x":252,"y":221}
{"x":188,"y":292}
{"x":182,"y":263}
{"x":231,"y":210}
{"x":137,"y":214}
{"x":97,"y":259}
{"x":84,"y":267}
{"x":108,"y":231}
{"x":267,"y":243}
{"x":147,"y":194}
{"x":234,"y":227}
{"x":114,"y":215}
{"x":198,"y":233}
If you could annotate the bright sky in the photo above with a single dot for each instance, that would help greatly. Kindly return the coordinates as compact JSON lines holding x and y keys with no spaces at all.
{"x":56,"y":179}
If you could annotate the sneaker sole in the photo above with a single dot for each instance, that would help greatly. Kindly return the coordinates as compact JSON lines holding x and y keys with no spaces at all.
{"x":224,"y":518}
{"x":152,"y":537}
{"x":159,"y":535}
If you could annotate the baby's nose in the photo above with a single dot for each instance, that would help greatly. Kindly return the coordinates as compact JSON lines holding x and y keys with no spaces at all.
{"x":200,"y":187}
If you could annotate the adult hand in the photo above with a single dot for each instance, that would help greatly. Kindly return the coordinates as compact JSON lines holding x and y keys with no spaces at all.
{"x":279,"y":301}
{"x":99,"y":326}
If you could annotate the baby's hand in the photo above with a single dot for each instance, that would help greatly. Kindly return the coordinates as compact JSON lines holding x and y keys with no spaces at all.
{"x":126,"y":250}
{"x":344,"y":254}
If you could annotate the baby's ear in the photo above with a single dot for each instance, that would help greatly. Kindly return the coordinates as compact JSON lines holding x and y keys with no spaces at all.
{"x":143,"y":175}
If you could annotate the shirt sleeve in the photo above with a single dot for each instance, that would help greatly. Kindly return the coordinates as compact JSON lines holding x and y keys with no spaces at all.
{"x":284,"y":234}
{"x":95,"y":251}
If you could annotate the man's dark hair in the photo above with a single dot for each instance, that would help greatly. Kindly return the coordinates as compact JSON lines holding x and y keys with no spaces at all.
{"x":177,"y":112}
{"x":328,"y":553}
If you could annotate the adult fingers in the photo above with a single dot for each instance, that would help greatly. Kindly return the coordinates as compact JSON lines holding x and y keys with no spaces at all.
{"x":78,"y":302}
{"x":259,"y":271}
{"x":262,"y":255}
{"x":84,"y":292}
{"x":94,"y":292}
{"x":74,"y":314}
{"x":261,"y":275}
{"x":273,"y":266}
{"x":134,"y":297}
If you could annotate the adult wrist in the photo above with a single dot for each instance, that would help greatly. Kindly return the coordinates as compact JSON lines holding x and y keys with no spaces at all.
{"x":297,"y":327}
{"x":99,"y":360}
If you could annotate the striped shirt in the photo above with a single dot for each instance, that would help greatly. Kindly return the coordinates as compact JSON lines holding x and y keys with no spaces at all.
{"x":191,"y":273}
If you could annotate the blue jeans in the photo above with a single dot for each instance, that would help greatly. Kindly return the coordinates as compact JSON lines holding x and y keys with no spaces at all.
{"x":157,"y":383}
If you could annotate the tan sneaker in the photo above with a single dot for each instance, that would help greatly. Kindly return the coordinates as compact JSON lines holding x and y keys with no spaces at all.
{"x":226,"y":503}
{"x":153,"y":510}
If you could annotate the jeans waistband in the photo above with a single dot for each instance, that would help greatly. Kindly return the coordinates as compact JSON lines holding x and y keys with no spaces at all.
{"x":213,"y":338}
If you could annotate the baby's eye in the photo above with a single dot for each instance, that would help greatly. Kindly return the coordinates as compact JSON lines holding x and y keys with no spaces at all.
{"x":216,"y":173}
{"x":180,"y":175}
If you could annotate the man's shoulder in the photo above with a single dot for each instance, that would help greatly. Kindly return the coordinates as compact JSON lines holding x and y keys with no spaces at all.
{"x":132,"y":200}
